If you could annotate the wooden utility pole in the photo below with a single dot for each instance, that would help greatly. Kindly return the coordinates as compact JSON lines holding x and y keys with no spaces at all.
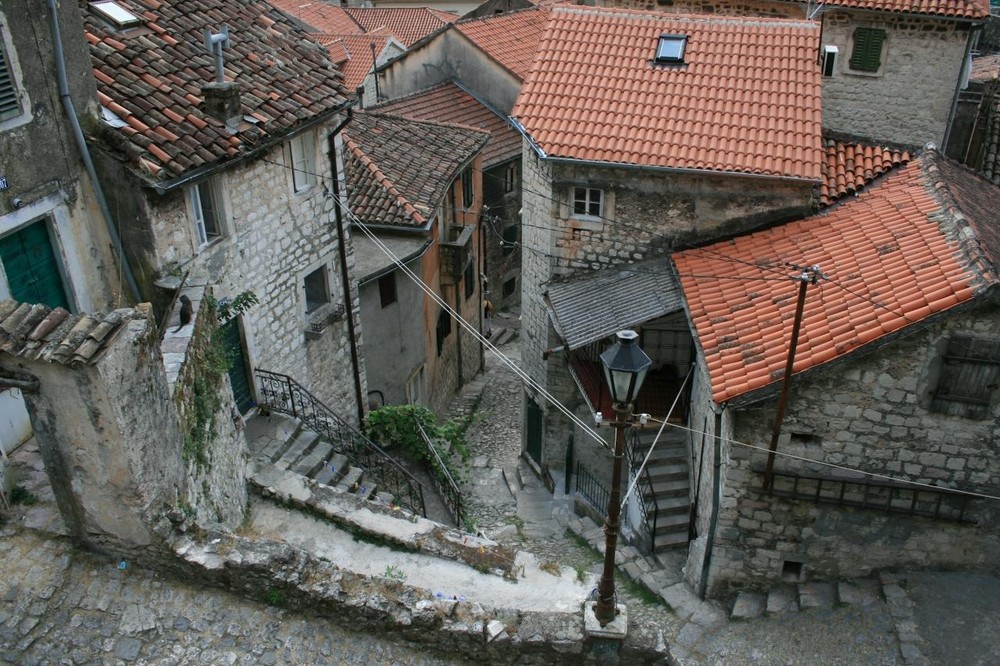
{"x":809,"y":275}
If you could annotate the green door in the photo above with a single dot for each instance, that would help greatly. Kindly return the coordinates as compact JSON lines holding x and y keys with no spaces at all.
{"x":534,"y":444}
{"x":31,"y":266}
{"x":242,"y":388}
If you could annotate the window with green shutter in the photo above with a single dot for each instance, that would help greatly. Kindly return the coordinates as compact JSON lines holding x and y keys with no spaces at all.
{"x":10,"y":107}
{"x":867,"y":53}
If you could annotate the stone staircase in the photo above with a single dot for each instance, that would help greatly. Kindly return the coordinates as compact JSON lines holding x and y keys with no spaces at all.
{"x":671,"y":486}
{"x":295,"y":448}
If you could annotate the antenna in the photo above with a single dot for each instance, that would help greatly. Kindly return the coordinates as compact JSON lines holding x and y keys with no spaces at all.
{"x":215,"y":42}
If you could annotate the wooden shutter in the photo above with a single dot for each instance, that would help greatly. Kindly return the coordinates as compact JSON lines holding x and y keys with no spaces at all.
{"x":867,"y":53}
{"x":970,"y":371}
{"x":9,"y":106}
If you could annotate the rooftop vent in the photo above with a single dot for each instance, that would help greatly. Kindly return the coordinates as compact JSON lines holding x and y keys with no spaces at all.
{"x":670,"y":50}
{"x":222,"y":98}
{"x":115,"y":14}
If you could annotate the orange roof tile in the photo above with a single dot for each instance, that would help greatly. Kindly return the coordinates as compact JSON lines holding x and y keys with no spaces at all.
{"x":354,"y":54}
{"x":407,"y":24}
{"x":284,"y":79}
{"x":510,"y":38}
{"x":747,"y":98}
{"x":969,"y":9}
{"x":449,"y":103}
{"x":321,"y":16}
{"x":890,"y":257}
{"x":849,"y":166}
{"x":985,"y":68}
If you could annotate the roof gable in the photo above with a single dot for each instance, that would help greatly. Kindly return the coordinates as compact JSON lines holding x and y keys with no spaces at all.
{"x":450,"y":103}
{"x":848,"y":166}
{"x":399,"y":169}
{"x":321,"y":16}
{"x":510,"y":38}
{"x":151,"y":79}
{"x":354,"y":54}
{"x":894,"y":256}
{"x":407,"y":24}
{"x":746,"y":98}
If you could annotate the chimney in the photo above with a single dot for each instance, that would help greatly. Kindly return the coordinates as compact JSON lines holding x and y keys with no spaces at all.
{"x":222,"y":101}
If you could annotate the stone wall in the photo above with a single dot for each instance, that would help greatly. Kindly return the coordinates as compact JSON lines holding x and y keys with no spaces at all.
{"x":503,"y":262}
{"x":869,"y":414}
{"x":772,"y":9}
{"x":909,"y":100}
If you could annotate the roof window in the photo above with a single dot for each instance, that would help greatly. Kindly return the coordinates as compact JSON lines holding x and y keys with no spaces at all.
{"x":670,"y":50}
{"x":115,"y":14}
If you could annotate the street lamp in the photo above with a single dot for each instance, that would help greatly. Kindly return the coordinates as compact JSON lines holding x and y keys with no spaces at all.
{"x":625,"y":366}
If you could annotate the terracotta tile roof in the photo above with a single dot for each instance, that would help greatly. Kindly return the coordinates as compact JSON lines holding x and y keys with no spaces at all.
{"x":849,"y":166}
{"x":746,"y":100}
{"x":985,"y":68}
{"x":510,"y":38}
{"x":151,"y":79}
{"x":321,"y":16}
{"x":37,"y":332}
{"x":353,"y":54}
{"x":893,"y":257}
{"x":967,"y":9}
{"x":449,"y":103}
{"x":407,"y":24}
{"x":399,"y":169}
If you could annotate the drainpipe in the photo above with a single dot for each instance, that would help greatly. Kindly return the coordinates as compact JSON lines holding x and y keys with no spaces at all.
{"x":345,"y":277}
{"x":458,"y":334}
{"x":706,"y":563}
{"x":81,"y":144}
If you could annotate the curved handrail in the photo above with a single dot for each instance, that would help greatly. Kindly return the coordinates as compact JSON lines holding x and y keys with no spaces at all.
{"x":281,"y":393}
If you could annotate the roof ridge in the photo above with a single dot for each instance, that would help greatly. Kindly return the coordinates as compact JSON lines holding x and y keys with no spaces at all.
{"x":692,"y":18}
{"x":465,"y":20}
{"x":422,"y":121}
{"x":383,"y":180}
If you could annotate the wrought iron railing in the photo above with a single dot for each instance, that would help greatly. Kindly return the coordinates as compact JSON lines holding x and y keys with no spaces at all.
{"x":645,"y":494}
{"x":867,"y":493}
{"x":443,"y":480}
{"x":280,"y":393}
{"x":590,"y":489}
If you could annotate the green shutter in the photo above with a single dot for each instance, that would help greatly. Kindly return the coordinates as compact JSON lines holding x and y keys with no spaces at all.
{"x":31,"y":267}
{"x":867,"y":53}
{"x":9,"y":107}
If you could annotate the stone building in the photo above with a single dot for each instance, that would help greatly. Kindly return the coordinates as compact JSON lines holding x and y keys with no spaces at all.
{"x":415,"y":193}
{"x":893,"y":403}
{"x":628,"y":157}
{"x":225,"y":159}
{"x":892,"y":71}
{"x":56,"y":234}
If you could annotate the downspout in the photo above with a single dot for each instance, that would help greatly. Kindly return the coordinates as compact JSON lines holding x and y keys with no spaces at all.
{"x":458,"y":333}
{"x":345,"y":277}
{"x":706,"y":563}
{"x":962,"y":82}
{"x":81,"y":144}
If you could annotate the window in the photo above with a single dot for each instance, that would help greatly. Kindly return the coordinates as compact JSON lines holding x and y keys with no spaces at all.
{"x":588,"y":202}
{"x":303,"y":161}
{"x":969,"y":374}
{"x":509,"y":287}
{"x":467,"y":188}
{"x":867,"y":53}
{"x":829,"y":59}
{"x":509,"y":178}
{"x":10,"y":104}
{"x":317,"y":287}
{"x":510,"y":235}
{"x":415,"y":387}
{"x":206,"y":206}
{"x":115,"y":14}
{"x":470,"y":279}
{"x":387,"y":289}
{"x":670,"y":50}
{"x":443,"y":329}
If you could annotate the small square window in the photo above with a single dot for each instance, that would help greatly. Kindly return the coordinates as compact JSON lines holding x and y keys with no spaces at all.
{"x":829,"y":60}
{"x":317,"y":287}
{"x":387,"y":289}
{"x":867,"y":53}
{"x":303,"y":152}
{"x":509,"y":287}
{"x":671,"y":49}
{"x":588,"y":202}
{"x":206,"y":207}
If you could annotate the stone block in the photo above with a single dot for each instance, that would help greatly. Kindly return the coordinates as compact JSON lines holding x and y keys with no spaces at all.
{"x":709,"y":615}
{"x":815,"y":595}
{"x":781,"y":599}
{"x":748,"y":605}
{"x":856,"y":593}
{"x":681,"y":600}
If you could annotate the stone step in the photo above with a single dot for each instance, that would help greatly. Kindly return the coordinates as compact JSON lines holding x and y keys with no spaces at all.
{"x":300,"y":446}
{"x":782,"y":599}
{"x":815,"y":595}
{"x":347,"y":481}
{"x":668,"y":471}
{"x":366,"y":489}
{"x":671,"y":540}
{"x":332,"y":470}
{"x":671,"y":522}
{"x":748,"y":606}
{"x":310,"y":463}
{"x":672,"y":488}
{"x":669,"y":506}
{"x":277,"y":447}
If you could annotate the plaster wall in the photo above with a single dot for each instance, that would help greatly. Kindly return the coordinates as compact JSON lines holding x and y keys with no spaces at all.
{"x":909,"y":99}
{"x":447,"y":56}
{"x":869,"y":414}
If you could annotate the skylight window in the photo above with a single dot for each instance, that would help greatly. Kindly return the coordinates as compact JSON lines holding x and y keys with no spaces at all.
{"x":115,"y":14}
{"x":671,"y":49}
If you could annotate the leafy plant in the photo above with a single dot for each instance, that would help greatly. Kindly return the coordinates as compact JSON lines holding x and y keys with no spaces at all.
{"x":21,"y":495}
{"x":274,"y":597}
{"x":393,"y":573}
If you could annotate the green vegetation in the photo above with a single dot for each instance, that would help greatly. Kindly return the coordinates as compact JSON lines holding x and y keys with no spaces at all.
{"x":21,"y":495}
{"x":393,"y":573}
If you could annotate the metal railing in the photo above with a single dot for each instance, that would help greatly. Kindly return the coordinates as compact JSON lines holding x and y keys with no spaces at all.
{"x":446,"y":485}
{"x":590,"y":489}
{"x":867,"y":493}
{"x":281,"y":393}
{"x":646,"y":494}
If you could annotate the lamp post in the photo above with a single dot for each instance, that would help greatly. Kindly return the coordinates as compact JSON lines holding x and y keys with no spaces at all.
{"x":625,"y":366}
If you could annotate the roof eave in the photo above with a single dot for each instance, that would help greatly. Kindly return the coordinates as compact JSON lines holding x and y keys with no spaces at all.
{"x":664,"y":169}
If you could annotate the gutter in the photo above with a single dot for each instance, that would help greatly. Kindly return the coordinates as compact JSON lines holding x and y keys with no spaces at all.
{"x":81,"y":144}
